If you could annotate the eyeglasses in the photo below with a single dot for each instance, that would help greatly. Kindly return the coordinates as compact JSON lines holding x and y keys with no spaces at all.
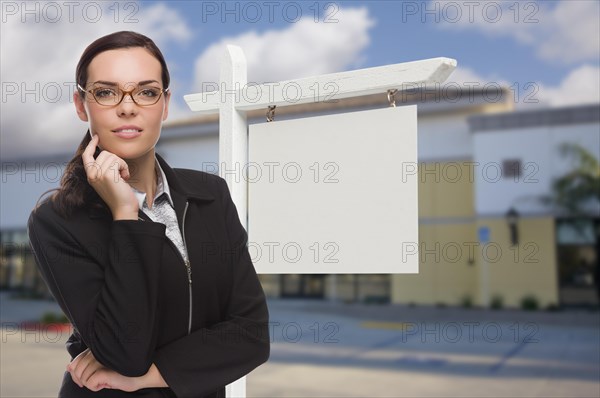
{"x":113,"y":96}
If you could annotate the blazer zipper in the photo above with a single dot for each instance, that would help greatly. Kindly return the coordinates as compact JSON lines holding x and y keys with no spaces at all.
{"x":186,"y":263}
{"x":189,"y":268}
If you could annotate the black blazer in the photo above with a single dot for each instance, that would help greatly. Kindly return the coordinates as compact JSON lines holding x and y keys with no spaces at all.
{"x":125,"y":288}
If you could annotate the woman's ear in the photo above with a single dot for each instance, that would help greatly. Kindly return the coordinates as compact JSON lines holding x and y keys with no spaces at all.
{"x":167,"y":100}
{"x":79,"y":102}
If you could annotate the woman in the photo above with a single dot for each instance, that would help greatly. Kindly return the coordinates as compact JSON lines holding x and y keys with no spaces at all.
{"x":148,"y":262}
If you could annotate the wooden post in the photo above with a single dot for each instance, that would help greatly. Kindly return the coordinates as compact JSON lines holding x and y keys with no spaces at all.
{"x":233,"y":149}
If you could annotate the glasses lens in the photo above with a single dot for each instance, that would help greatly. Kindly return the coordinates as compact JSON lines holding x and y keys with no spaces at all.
{"x":147,"y":95}
{"x":107,"y":95}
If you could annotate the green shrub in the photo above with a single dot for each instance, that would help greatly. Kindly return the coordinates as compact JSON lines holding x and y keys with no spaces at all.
{"x":52,"y":317}
{"x":26,"y":295}
{"x":466,"y":301}
{"x":376,"y":300}
{"x":497,"y":302}
{"x":530,"y":303}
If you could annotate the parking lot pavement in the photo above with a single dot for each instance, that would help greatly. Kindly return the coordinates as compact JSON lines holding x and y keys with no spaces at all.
{"x":322,"y":349}
{"x":32,"y":362}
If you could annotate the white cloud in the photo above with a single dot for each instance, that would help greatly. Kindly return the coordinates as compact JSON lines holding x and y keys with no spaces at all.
{"x":572,"y":32}
{"x":40,"y":54}
{"x":566,"y":32}
{"x":580,"y":86}
{"x":467,"y":77}
{"x":304,"y":49}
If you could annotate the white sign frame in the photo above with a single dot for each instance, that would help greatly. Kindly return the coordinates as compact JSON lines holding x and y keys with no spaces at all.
{"x":232,"y":97}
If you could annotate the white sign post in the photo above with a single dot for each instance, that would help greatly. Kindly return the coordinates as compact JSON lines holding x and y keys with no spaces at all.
{"x":335,"y":227}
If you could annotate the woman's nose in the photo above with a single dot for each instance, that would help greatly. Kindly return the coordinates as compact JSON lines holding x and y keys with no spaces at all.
{"x":127,"y":106}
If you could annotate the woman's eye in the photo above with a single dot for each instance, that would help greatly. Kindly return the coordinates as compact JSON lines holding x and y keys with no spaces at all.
{"x":149,"y":92}
{"x":104,"y":93}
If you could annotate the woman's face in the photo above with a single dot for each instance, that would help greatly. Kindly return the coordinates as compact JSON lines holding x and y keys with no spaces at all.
{"x":125,"y":68}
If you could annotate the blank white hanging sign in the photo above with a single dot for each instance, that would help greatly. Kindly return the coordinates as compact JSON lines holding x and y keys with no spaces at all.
{"x":334,"y":194}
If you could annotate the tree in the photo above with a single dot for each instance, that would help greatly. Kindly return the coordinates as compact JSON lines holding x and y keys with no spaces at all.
{"x":577,"y":195}
{"x":579,"y":190}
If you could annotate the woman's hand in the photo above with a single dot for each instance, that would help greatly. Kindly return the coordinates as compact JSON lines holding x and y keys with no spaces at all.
{"x":86,"y":371}
{"x":107,"y":174}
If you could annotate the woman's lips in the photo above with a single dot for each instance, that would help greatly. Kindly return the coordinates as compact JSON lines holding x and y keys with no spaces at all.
{"x":128,"y":132}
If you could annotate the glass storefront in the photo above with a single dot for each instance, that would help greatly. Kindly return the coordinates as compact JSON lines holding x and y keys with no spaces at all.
{"x":577,"y":262}
{"x":18,"y":271}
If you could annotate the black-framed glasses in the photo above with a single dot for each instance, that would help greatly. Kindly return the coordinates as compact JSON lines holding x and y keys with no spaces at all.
{"x":113,"y":95}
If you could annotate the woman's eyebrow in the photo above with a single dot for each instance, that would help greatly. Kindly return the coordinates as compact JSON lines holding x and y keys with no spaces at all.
{"x":104,"y":82}
{"x":107,"y":83}
{"x":144,"y":82}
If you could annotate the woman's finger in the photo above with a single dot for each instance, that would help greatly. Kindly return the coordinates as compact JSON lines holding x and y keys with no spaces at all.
{"x":78,"y":366}
{"x":113,"y":380}
{"x":75,"y":379}
{"x":90,"y":369}
{"x":76,"y":360}
{"x":89,"y":163}
{"x":88,"y":152}
{"x":98,"y":381}
{"x":71,"y":366}
{"x":112,"y":166}
{"x":81,"y":367}
{"x":92,"y":366}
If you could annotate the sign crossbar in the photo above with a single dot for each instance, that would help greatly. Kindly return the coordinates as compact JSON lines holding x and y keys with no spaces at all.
{"x":252,"y":96}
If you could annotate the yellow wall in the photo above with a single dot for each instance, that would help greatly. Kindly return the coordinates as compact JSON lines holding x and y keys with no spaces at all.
{"x":446,"y":222}
{"x":528,"y":268}
{"x":446,"y":190}
{"x":448,"y":241}
{"x":445,"y":273}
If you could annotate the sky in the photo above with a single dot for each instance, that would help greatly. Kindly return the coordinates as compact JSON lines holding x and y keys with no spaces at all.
{"x":546,"y":52}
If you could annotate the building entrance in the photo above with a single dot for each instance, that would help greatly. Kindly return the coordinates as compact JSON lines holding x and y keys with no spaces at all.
{"x":303,"y":285}
{"x":577,"y":263}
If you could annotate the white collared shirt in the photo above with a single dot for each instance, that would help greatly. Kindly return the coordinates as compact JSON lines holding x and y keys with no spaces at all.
{"x":161,"y":186}
{"x":163,"y":211}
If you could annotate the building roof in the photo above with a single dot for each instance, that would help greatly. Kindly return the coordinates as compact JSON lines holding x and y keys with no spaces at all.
{"x":579,"y":114}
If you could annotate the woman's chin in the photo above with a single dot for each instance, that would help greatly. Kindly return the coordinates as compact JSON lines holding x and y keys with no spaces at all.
{"x":130,"y":154}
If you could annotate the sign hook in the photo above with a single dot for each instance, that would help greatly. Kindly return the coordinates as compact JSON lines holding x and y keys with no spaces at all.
{"x":391,"y":95}
{"x":271,"y":113}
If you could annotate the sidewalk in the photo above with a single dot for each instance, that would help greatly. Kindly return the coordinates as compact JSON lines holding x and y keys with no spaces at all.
{"x":323,"y":349}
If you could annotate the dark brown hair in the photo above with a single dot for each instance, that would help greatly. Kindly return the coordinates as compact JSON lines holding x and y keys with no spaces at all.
{"x":74,"y":190}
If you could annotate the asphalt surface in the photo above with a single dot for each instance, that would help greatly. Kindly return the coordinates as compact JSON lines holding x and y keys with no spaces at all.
{"x":323,"y":349}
